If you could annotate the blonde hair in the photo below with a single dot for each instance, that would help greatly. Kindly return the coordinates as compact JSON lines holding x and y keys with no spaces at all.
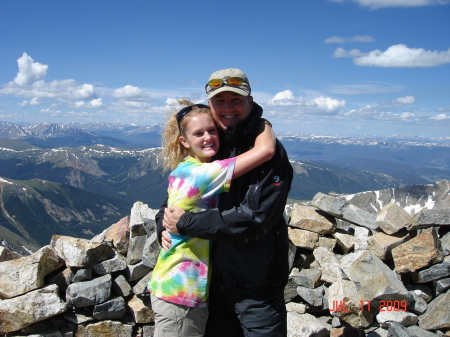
{"x":173,"y":152}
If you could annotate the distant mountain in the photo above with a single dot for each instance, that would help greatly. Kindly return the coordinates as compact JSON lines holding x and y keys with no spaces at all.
{"x":411,"y":160}
{"x":130,"y":175}
{"x":313,"y":177}
{"x":32,"y":211}
{"x":74,"y":135}
{"x":134,"y":175}
{"x":413,"y":198}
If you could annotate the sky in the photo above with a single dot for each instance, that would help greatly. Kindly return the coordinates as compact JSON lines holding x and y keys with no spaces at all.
{"x":327,"y":67}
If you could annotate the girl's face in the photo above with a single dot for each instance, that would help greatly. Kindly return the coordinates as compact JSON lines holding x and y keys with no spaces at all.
{"x":202,"y":138}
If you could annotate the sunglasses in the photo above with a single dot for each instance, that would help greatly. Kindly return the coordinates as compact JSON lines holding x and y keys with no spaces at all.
{"x":218,"y":82}
{"x":183,"y":112}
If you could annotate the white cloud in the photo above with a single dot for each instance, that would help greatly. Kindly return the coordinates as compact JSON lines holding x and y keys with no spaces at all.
{"x":284,"y":98}
{"x":326,"y":104}
{"x":33,"y":101}
{"x":407,"y":115}
{"x":128,"y":92}
{"x":30,"y":83}
{"x":405,"y":100}
{"x":440,"y":117}
{"x":377,"y":4}
{"x":318,"y":105}
{"x":97,"y":103}
{"x":400,"y":56}
{"x":365,"y":88}
{"x":65,"y":89}
{"x":443,"y":109}
{"x":357,"y":38}
{"x":85,"y":91}
{"x":29,"y":71}
{"x":341,"y":52}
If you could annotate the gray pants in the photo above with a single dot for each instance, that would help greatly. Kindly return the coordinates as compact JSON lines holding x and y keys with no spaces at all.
{"x":174,"y":320}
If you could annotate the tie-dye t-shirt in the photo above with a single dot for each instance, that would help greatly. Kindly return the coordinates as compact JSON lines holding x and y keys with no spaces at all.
{"x":182,"y":273}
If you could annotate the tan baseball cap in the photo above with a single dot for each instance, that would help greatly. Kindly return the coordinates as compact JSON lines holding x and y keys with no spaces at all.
{"x":224,"y":75}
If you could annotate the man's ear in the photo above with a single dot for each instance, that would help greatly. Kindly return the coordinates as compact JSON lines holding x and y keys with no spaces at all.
{"x":250,"y":100}
{"x":184,"y":142}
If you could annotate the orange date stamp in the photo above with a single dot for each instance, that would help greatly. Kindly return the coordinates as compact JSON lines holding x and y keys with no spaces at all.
{"x":367,"y":306}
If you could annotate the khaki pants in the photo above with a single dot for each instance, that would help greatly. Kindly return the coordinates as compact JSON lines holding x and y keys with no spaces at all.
{"x":174,"y":320}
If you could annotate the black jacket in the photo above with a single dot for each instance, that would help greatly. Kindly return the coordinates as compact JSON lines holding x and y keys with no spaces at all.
{"x":249,"y":232}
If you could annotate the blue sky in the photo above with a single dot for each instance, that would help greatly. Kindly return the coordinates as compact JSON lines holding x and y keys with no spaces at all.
{"x":344,"y":67}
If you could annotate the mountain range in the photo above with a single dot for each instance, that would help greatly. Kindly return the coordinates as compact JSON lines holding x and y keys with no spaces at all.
{"x":75,"y":179}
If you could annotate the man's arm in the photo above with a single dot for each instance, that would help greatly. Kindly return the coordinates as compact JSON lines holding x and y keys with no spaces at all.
{"x":261,"y":209}
{"x":162,"y":235}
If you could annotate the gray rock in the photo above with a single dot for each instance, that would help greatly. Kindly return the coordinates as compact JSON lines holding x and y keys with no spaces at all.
{"x":442,"y":285}
{"x":343,"y":210}
{"x":151,"y":250}
{"x":303,"y":239}
{"x":392,"y":218}
{"x":373,"y":279}
{"x":96,"y":291}
{"x":445,"y":243}
{"x":438,"y":314}
{"x":82,"y":274}
{"x":141,"y":287}
{"x":397,"y":330}
{"x":21,"y":311}
{"x":117,"y":263}
{"x":140,"y":308}
{"x":390,"y":314}
{"x":142,"y":219}
{"x":361,"y":237}
{"x":415,"y":331}
{"x":309,"y":278}
{"x":382,"y":244}
{"x":313,"y":297}
{"x":135,"y":249}
{"x":435,"y":272}
{"x":79,"y":315}
{"x":430,"y":218}
{"x":19,"y":276}
{"x":80,"y":252}
{"x":421,"y":290}
{"x":105,"y":329}
{"x":329,"y":265}
{"x":306,"y":325}
{"x":380,"y":332}
{"x":345,"y":241}
{"x":121,"y":286}
{"x":311,"y":219}
{"x":135,"y":272}
{"x":418,"y":305}
{"x":112,"y":309}
{"x":6,"y":254}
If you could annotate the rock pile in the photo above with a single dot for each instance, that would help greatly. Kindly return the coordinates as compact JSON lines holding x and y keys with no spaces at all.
{"x":354,"y":273}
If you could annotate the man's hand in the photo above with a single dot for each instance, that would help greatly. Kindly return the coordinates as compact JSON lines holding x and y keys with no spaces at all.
{"x":171,"y":217}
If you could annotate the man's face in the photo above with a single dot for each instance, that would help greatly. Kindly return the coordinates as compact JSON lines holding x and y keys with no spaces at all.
{"x":229,"y":108}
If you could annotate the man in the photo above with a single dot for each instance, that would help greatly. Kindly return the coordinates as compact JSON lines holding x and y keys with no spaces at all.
{"x":250,"y":250}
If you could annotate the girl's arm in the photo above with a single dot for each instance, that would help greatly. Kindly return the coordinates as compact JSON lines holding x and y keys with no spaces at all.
{"x":263,"y":150}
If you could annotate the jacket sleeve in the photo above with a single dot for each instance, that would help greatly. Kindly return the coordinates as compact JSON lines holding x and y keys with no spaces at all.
{"x":260,"y":210}
{"x":159,"y":219}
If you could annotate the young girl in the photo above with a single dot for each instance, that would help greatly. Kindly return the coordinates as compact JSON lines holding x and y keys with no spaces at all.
{"x":179,"y":283}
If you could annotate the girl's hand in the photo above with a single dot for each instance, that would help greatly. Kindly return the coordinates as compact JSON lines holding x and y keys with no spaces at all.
{"x":166,"y":242}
